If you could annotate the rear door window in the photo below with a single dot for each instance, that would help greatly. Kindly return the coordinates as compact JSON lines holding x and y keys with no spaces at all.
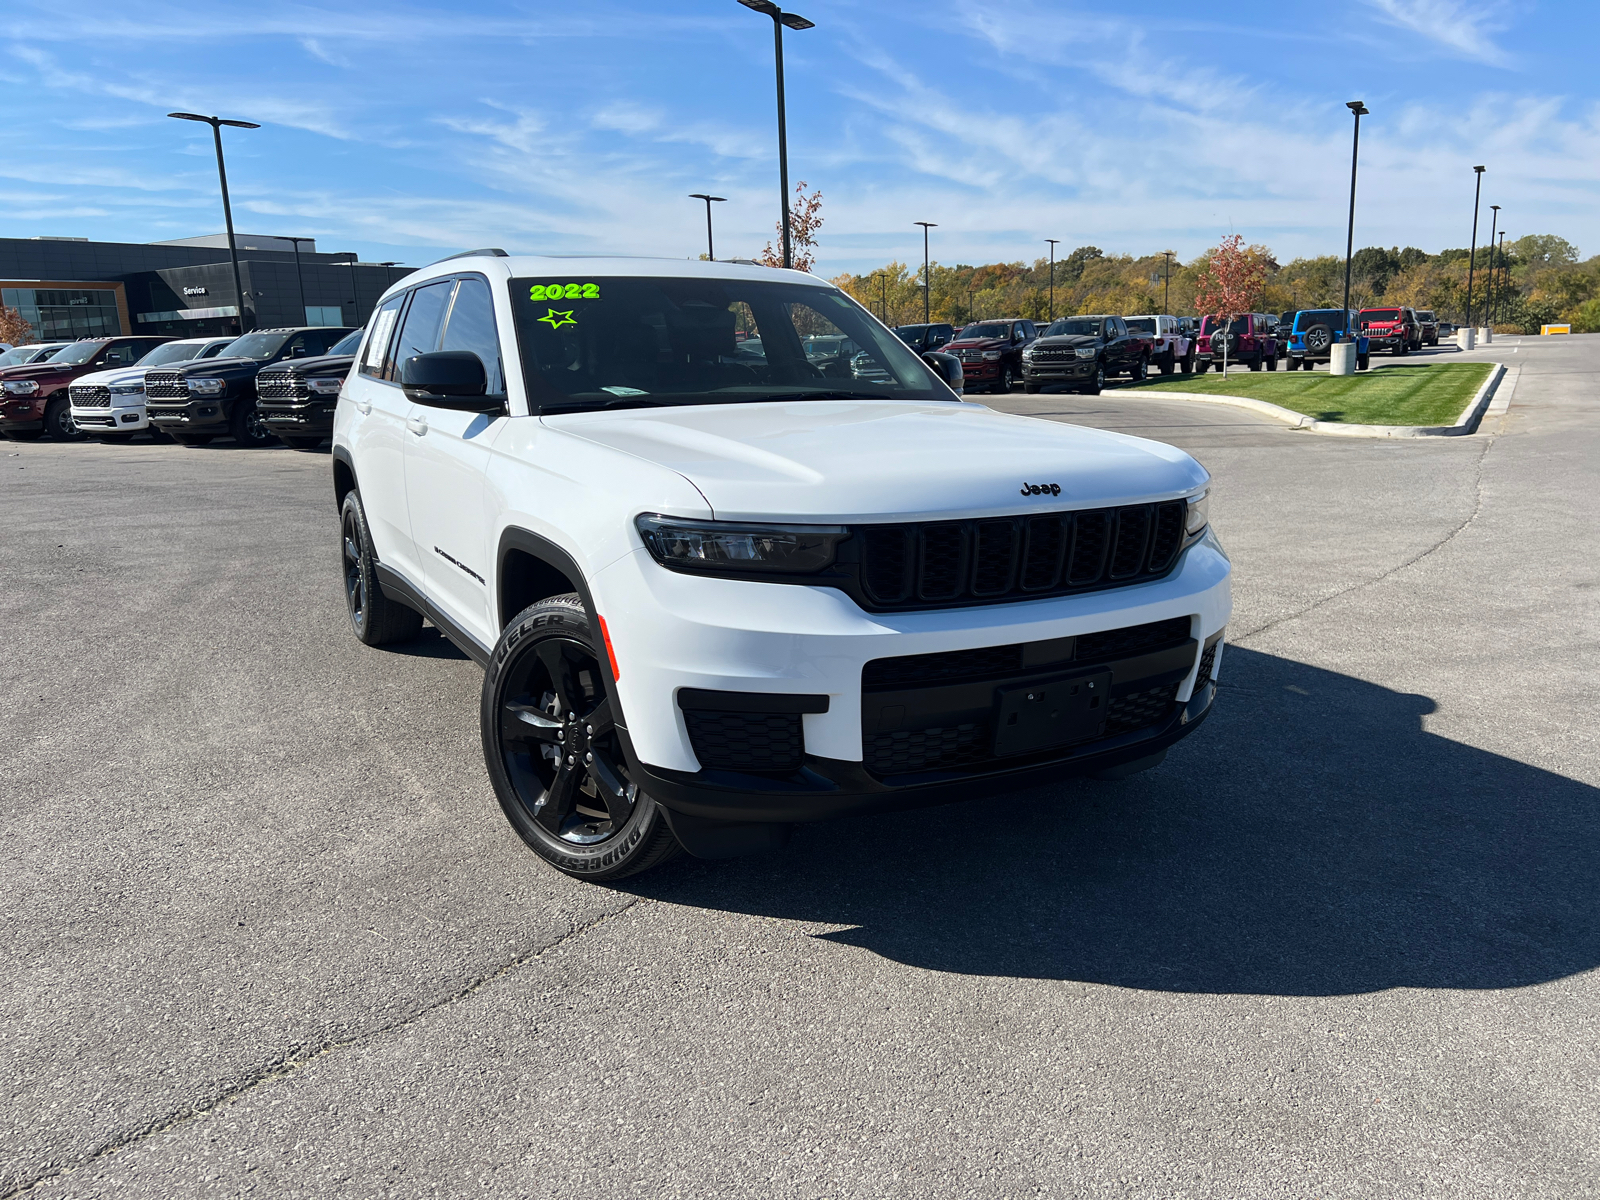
{"x":419,"y":332}
{"x":375,"y":359}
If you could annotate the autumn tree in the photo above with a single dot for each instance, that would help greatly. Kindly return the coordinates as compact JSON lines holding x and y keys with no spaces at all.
{"x":805,"y":218}
{"x":1231,"y":278}
{"x":13,"y":328}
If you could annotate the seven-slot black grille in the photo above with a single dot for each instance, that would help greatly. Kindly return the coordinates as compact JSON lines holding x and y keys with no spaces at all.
{"x":165,"y":385}
{"x":90,"y":395}
{"x":1015,"y":558}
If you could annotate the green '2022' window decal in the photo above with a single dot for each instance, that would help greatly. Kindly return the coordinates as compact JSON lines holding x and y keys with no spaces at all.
{"x":564,"y":291}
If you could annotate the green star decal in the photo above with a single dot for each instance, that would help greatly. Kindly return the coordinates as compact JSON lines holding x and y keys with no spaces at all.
{"x":556,"y":319}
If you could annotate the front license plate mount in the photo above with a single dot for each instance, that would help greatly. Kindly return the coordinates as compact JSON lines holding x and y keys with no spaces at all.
{"x":1052,"y":712}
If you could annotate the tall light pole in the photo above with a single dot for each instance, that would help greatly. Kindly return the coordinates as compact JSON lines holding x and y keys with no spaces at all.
{"x":1359,"y":110}
{"x":216,"y":124}
{"x":883,"y":294}
{"x":1166,"y":288}
{"x":926,"y":278}
{"x":1472,"y":255}
{"x":711,"y":250}
{"x":1053,"y":243}
{"x":793,"y":21}
{"x":299,"y":277}
{"x":1488,"y":300}
{"x":1505,"y":274}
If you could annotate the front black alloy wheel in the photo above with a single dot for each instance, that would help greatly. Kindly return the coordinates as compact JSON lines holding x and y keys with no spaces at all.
{"x":376,"y":619}
{"x":554,"y":754}
{"x":58,"y":422}
{"x":1099,"y":384}
{"x":1008,"y":380}
{"x":247,"y":427}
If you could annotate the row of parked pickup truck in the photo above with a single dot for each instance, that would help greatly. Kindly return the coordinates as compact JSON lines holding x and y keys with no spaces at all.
{"x":1081,"y":353}
{"x":268,"y":385}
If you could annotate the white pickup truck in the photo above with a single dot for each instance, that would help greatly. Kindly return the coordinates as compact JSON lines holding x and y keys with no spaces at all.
{"x":1171,"y":348}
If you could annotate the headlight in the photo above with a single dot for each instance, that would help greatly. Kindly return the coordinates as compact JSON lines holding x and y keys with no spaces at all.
{"x":724,"y":547}
{"x":991,"y":356}
{"x":1198,"y":513}
{"x":127,"y":389}
{"x":1027,"y":355}
{"x":325,"y":387}
{"x":22,"y":387}
{"x":207,"y":387}
{"x":1087,"y":351}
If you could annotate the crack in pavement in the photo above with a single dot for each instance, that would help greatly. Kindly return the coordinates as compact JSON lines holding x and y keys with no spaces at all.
{"x":296,"y":1060}
{"x":1477,"y":507}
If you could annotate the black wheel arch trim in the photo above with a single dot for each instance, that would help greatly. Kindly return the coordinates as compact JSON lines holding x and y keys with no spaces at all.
{"x":397,"y":587}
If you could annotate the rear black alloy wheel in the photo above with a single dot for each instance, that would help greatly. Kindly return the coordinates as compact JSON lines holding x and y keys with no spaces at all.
{"x":1169,"y":362}
{"x":1140,"y":369}
{"x":376,"y":619}
{"x":551,"y":744}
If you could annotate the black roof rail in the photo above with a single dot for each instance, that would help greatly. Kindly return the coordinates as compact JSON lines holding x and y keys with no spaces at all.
{"x":490,"y":250}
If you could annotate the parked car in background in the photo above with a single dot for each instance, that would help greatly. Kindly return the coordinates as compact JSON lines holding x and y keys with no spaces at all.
{"x":296,"y":397}
{"x":990,"y":352}
{"x":196,"y":402}
{"x":1083,"y":352}
{"x":1314,"y":334}
{"x":35,"y":400}
{"x":1280,"y":330}
{"x":1170,"y":348}
{"x":1446,"y":329}
{"x":109,"y":405}
{"x":21,"y":356}
{"x":1247,"y":340}
{"x":1427,"y":327}
{"x":926,"y":337}
{"x":1391,"y":329}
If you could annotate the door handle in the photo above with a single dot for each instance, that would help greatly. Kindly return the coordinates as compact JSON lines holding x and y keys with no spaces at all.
{"x":364,"y":407}
{"x":417,"y":425}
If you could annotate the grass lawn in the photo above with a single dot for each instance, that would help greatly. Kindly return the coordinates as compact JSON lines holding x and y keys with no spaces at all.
{"x":1432,"y":394}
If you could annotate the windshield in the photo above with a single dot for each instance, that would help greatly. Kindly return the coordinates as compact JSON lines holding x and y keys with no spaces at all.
{"x":911,"y":334}
{"x":1141,"y":324}
{"x":986,"y":331}
{"x":22,"y":354}
{"x":1067,"y":327}
{"x":644,"y":341}
{"x":259,"y":346}
{"x":1321,"y":316}
{"x":1425,"y":314}
{"x":1381,"y":314}
{"x":348,"y":344}
{"x":79,"y":353}
{"x":171,"y":352}
{"x":1241,"y":325}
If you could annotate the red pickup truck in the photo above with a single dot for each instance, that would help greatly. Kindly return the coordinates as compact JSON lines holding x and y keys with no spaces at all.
{"x":34,"y":398}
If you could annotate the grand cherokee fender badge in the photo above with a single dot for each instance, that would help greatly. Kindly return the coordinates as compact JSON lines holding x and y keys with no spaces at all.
{"x":1041,"y":489}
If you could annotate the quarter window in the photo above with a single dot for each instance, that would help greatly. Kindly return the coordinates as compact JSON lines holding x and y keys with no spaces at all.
{"x":471,"y":327}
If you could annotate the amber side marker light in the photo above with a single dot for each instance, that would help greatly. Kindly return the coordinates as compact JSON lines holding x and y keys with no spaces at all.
{"x":605,"y":636}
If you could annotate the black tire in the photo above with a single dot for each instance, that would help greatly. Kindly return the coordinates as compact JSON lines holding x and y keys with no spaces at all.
{"x":58,"y":423}
{"x":553,"y":753}
{"x":300,"y":443}
{"x":247,"y":427}
{"x":25,"y":435}
{"x":1401,"y":348}
{"x":1202,"y":366}
{"x":158,"y":435}
{"x":376,"y":619}
{"x":1363,"y":362}
{"x":1257,"y":362}
{"x":1140,"y":369}
{"x":113,"y":439}
{"x":1098,"y":384}
{"x":192,"y":439}
{"x":1272,"y":362}
{"x":1169,"y":362}
{"x":1188,"y":362}
{"x":1008,"y":380}
{"x":1032,"y":389}
{"x":1318,"y":338}
{"x":1294,"y":363}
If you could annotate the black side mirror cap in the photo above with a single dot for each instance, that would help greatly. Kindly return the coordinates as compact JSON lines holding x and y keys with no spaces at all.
{"x":448,"y":379}
{"x":947,"y":367}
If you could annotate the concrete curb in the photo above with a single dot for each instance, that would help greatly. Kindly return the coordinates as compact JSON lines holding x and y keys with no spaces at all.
{"x":1468,"y":422}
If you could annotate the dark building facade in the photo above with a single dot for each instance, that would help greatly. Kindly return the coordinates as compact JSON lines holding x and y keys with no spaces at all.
{"x":180,"y":291}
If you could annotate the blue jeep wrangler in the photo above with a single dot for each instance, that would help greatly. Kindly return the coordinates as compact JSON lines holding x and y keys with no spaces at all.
{"x":1314,"y":333}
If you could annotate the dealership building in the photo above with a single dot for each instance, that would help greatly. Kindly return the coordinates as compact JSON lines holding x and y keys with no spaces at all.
{"x":71,"y":287}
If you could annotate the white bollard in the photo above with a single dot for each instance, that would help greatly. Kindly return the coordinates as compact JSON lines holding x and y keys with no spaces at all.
{"x":1464,"y":338}
{"x":1342,"y":358}
{"x":1485,"y":334}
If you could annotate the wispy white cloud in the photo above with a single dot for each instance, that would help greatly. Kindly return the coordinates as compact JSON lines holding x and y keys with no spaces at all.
{"x":318,"y":50}
{"x":1462,"y":27}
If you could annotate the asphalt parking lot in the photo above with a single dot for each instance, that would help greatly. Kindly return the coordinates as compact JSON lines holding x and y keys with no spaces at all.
{"x":267,"y":932}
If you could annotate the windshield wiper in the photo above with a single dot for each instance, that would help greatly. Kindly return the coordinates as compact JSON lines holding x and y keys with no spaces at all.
{"x":828,"y":395}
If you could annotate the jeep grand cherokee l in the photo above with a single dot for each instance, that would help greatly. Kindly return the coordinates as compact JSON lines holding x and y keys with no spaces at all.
{"x":34,"y":399}
{"x":200,"y":401}
{"x":715,"y":594}
{"x":295,"y":397}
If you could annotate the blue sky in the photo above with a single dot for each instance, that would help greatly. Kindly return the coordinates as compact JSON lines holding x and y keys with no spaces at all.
{"x":412,"y":131}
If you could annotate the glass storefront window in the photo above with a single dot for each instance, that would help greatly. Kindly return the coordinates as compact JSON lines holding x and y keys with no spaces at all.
{"x":62,"y":314}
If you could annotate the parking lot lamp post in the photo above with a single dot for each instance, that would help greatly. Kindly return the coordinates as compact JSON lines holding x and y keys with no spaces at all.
{"x":1488,"y":287}
{"x":1360,"y":110}
{"x":299,"y":277}
{"x":216,"y":124}
{"x":1052,"y":242}
{"x":926,"y":278}
{"x":793,"y":21}
{"x":1472,"y":255}
{"x":1166,"y":288}
{"x":1505,"y":275}
{"x":711,"y":250}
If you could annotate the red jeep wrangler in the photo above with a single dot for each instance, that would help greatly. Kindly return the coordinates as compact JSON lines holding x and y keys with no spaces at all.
{"x":1391,"y":329}
{"x":33,"y":398}
{"x":1249,"y":339}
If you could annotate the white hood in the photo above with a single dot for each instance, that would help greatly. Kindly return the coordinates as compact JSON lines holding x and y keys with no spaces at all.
{"x":112,"y":377}
{"x":836,"y":460}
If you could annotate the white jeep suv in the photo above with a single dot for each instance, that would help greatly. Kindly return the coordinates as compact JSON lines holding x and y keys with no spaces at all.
{"x":109,"y":405}
{"x":721,"y":583}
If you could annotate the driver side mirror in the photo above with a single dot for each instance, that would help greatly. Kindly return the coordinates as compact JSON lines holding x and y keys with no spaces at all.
{"x":947,"y":367}
{"x":448,"y":379}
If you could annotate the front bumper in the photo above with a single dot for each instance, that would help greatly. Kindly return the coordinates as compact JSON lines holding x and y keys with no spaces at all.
{"x":100,"y":419}
{"x":299,"y":418}
{"x":209,"y":414}
{"x":721,"y":635}
{"x":1058,"y":372}
{"x":19,"y":414}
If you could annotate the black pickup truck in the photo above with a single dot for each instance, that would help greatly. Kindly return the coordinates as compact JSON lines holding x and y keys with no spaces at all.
{"x":296,"y":396}
{"x":198,"y":401}
{"x":1082,"y":352}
